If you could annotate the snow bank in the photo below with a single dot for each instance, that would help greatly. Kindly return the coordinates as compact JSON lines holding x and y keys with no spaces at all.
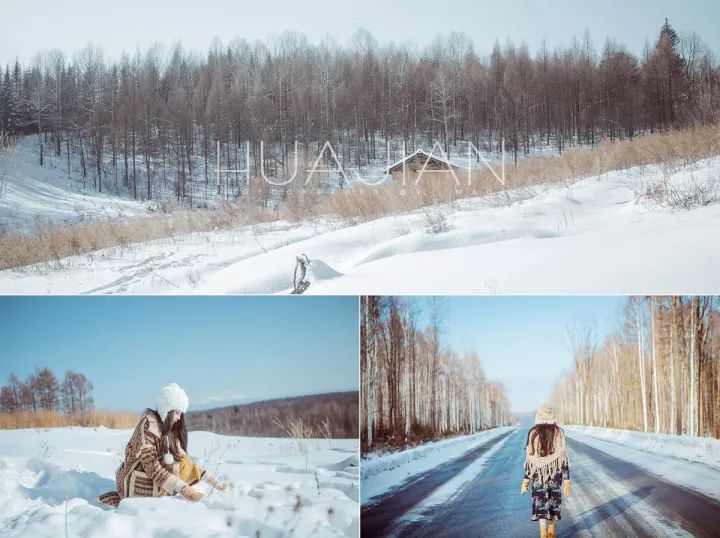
{"x":704,"y":450}
{"x":693,"y":463}
{"x":382,"y":472}
{"x":270,"y":493}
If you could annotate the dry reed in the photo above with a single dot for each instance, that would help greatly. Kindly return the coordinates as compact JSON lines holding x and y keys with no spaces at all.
{"x":51,"y":419}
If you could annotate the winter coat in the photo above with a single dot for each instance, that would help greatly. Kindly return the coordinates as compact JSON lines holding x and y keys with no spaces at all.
{"x":142,"y":473}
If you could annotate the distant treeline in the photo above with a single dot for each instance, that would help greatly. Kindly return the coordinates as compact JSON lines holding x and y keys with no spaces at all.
{"x":339,"y":410}
{"x":150,"y":121}
{"x":42,"y":391}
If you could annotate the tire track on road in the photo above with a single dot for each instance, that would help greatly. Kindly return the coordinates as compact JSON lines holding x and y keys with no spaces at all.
{"x":379,"y":517}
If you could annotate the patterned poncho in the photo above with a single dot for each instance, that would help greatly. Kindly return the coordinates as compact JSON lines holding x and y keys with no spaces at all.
{"x":547,"y":466}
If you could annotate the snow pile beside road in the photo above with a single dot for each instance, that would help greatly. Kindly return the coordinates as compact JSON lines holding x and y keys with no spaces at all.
{"x":697,"y":449}
{"x":381,"y":472}
{"x":271,"y":495}
{"x":660,"y":455}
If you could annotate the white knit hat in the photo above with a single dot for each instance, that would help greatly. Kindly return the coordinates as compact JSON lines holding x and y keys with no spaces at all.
{"x":171,"y":398}
{"x":545,"y":414}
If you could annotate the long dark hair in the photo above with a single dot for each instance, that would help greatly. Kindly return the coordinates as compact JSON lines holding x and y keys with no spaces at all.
{"x":545,"y":433}
{"x":175,"y":432}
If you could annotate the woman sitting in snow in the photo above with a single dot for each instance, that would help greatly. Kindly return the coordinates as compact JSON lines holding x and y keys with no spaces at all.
{"x":156,"y":462}
{"x":547,"y":469}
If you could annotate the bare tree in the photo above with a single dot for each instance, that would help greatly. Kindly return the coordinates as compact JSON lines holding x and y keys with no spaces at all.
{"x":681,"y":336}
{"x":414,"y":389}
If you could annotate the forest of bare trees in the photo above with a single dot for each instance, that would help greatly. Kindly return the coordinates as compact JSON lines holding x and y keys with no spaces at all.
{"x":43,"y":391}
{"x":412,"y":387}
{"x":659,"y":372}
{"x":148,"y":123}
{"x":334,"y":415}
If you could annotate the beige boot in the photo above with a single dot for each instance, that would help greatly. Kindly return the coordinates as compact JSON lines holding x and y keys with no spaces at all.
{"x":551,"y":529}
{"x":543,"y":529}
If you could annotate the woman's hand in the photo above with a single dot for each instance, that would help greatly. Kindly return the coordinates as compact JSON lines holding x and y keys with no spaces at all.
{"x":222,"y":486}
{"x":190,"y":494}
{"x":524,"y":487}
{"x":566,"y":488}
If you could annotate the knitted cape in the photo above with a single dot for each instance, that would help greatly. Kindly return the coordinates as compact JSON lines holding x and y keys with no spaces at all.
{"x":547,"y":466}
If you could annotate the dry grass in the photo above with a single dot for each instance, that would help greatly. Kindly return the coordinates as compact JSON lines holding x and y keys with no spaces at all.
{"x":682,"y":196}
{"x":50,"y":419}
{"x":52,"y":242}
{"x":301,"y":432}
{"x":296,"y":428}
{"x":672,"y":150}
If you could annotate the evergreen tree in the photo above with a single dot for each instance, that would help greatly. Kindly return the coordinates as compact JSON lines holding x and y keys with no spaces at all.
{"x":7,"y":106}
{"x":669,"y":32}
{"x":670,"y":69}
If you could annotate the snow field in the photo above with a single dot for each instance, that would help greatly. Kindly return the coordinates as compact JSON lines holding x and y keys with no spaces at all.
{"x":270,"y":492}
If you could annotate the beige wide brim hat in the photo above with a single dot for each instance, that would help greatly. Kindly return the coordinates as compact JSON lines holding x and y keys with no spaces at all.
{"x":545,"y":414}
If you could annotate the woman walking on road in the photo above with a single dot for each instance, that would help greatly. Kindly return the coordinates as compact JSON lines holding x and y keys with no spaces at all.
{"x":547,"y":469}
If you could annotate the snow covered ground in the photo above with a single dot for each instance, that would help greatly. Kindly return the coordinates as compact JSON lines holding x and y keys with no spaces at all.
{"x":382,"y":472}
{"x":271,"y":494}
{"x":29,"y":192}
{"x":598,"y":235}
{"x":693,"y":462}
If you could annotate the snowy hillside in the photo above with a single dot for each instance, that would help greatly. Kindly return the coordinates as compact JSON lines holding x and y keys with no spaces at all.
{"x":607,"y":234}
{"x":29,"y":192}
{"x":270,"y":494}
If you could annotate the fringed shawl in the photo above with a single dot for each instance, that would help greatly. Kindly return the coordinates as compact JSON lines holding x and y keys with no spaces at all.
{"x":548,"y":466}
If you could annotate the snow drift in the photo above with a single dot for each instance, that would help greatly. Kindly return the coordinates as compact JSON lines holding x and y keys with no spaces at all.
{"x":52,"y":477}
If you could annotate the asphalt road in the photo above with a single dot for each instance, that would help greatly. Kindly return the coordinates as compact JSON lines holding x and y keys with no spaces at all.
{"x":609,"y":497}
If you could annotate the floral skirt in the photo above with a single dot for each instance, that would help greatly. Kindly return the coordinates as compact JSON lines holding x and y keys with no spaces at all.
{"x":546,"y":498}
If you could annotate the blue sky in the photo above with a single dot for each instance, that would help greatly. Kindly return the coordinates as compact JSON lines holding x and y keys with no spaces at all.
{"x":216,"y":348}
{"x":30,"y":25}
{"x":522,"y":341}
